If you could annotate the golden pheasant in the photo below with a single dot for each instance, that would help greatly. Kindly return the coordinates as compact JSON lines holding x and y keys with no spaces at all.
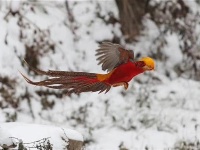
{"x":118,"y":61}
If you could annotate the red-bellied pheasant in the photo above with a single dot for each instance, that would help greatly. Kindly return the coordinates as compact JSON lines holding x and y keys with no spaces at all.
{"x":118,"y":61}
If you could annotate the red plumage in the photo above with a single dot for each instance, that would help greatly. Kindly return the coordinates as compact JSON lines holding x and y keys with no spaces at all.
{"x":124,"y":73}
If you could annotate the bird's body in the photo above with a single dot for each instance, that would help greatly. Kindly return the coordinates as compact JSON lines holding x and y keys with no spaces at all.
{"x":118,"y":61}
{"x":124,"y":73}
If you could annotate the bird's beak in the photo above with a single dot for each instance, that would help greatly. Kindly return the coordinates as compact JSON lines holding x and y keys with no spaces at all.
{"x":148,"y":68}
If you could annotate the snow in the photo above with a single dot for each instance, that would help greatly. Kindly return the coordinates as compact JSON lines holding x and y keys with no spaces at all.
{"x":172,"y":50}
{"x":156,"y":112}
{"x":192,"y":5}
{"x":33,"y":132}
{"x":15,"y":6}
{"x":5,"y":138}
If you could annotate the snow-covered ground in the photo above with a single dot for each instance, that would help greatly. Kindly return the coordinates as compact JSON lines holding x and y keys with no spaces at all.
{"x":34,"y":135}
{"x":159,"y":110}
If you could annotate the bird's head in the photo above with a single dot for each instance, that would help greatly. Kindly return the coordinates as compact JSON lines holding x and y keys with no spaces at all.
{"x":149,"y":63}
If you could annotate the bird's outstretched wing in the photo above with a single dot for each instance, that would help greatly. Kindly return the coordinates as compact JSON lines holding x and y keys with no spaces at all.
{"x":112,"y":55}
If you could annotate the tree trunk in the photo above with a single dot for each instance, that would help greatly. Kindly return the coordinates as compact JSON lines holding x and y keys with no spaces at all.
{"x":131,"y":13}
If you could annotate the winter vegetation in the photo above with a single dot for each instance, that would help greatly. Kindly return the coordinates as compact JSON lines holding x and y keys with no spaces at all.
{"x":160,"y":109}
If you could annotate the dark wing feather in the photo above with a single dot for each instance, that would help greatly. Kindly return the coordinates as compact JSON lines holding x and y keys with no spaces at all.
{"x":112,"y":55}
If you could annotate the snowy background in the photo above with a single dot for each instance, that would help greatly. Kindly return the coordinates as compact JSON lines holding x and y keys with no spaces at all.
{"x":160,"y":110}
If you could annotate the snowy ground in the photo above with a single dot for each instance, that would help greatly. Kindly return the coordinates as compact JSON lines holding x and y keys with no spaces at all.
{"x":158,"y":111}
{"x":34,"y":135}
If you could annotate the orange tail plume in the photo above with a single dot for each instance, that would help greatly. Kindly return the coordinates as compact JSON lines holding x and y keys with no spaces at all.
{"x":71,"y":82}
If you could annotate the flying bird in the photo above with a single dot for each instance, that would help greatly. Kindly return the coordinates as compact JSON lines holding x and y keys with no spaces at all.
{"x":113,"y":58}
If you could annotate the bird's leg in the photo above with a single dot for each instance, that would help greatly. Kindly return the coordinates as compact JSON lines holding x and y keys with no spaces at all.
{"x":125,"y":84}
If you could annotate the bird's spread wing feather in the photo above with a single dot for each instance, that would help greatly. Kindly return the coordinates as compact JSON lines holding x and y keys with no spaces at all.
{"x":112,"y":55}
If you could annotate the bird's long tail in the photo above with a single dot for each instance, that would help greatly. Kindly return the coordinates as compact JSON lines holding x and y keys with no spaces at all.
{"x":71,"y":82}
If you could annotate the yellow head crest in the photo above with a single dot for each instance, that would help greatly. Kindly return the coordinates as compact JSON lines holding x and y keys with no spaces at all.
{"x":149,"y":63}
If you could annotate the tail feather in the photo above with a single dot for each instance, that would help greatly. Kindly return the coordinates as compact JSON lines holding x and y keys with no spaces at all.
{"x":66,"y":74}
{"x":71,"y":82}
